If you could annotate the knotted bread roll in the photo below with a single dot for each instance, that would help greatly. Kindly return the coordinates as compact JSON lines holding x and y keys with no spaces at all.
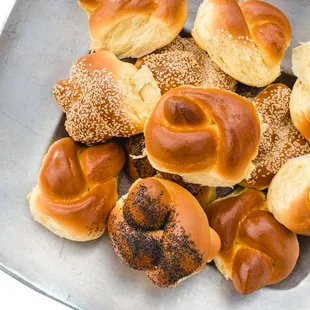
{"x":247,"y":40}
{"x":134,"y":28}
{"x":77,"y":189}
{"x":280,"y":141}
{"x":183,"y":62}
{"x":161,"y":229}
{"x":289,"y":195}
{"x":256,"y":250}
{"x":206,"y":135}
{"x":106,"y":98}
{"x":300,"y":99}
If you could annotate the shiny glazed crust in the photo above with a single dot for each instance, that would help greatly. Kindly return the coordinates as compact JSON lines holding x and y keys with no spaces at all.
{"x":77,"y":189}
{"x":161,"y":229}
{"x":206,"y":135}
{"x":256,"y":250}
{"x":138,"y":166}
{"x":134,"y":28}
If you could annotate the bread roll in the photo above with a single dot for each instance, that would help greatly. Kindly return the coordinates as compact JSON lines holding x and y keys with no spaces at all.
{"x":280,"y":142}
{"x":289,"y":195}
{"x":182,"y":62}
{"x":138,"y":166}
{"x":134,"y":28}
{"x":247,"y":40}
{"x":206,"y":135}
{"x":106,"y":98}
{"x":256,"y":250}
{"x":301,"y":62}
{"x":77,"y":189}
{"x":161,"y":229}
{"x":300,"y":100}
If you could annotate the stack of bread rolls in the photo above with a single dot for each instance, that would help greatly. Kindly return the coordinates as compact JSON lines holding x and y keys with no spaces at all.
{"x":175,"y":119}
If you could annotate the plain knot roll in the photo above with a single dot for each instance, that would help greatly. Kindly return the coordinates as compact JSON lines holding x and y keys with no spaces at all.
{"x":77,"y":189}
{"x":206,"y":135}
{"x":134,"y":28}
{"x":247,"y":40}
{"x":161,"y":229}
{"x":256,"y":249}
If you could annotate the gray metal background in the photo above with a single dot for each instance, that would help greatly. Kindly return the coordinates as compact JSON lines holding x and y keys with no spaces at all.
{"x":37,"y":47}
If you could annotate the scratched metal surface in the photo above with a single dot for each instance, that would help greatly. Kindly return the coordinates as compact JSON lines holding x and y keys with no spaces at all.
{"x":37,"y":47}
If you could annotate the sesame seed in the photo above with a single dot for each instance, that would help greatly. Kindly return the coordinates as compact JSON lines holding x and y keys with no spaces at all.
{"x":92,"y":101}
{"x":281,"y":141}
{"x":182,"y":62}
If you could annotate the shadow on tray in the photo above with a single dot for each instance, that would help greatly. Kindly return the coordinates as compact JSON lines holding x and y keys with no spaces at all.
{"x":301,"y":270}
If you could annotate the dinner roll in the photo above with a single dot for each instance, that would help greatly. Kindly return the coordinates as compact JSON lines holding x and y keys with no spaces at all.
{"x":182,"y":62}
{"x":206,"y":135}
{"x":160,"y":228}
{"x":300,"y":100}
{"x":77,"y":189}
{"x":106,"y":98}
{"x":247,"y":40}
{"x":256,"y":250}
{"x":134,"y":28}
{"x":289,"y":195}
{"x":280,"y":141}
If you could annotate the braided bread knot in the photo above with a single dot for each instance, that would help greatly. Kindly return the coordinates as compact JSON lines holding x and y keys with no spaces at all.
{"x":207,"y":135}
{"x":161,"y":229}
{"x":134,"y":28}
{"x":77,"y":189}
{"x":247,"y":40}
{"x":256,"y":249}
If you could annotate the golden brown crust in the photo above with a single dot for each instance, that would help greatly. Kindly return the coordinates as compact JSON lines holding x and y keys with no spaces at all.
{"x":182,"y":62}
{"x":289,"y":195}
{"x":256,"y":33}
{"x":138,"y":166}
{"x":194,"y":130}
{"x":77,"y":188}
{"x":269,"y":28}
{"x":203,"y":194}
{"x":280,"y":142}
{"x":161,"y":229}
{"x":100,"y":99}
{"x":256,"y":250}
{"x":300,"y":108}
{"x":120,"y":17}
{"x":300,"y":99}
{"x":298,"y":218}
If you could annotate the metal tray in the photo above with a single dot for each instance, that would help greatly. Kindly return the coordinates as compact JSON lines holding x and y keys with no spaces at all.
{"x":38,"y":45}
